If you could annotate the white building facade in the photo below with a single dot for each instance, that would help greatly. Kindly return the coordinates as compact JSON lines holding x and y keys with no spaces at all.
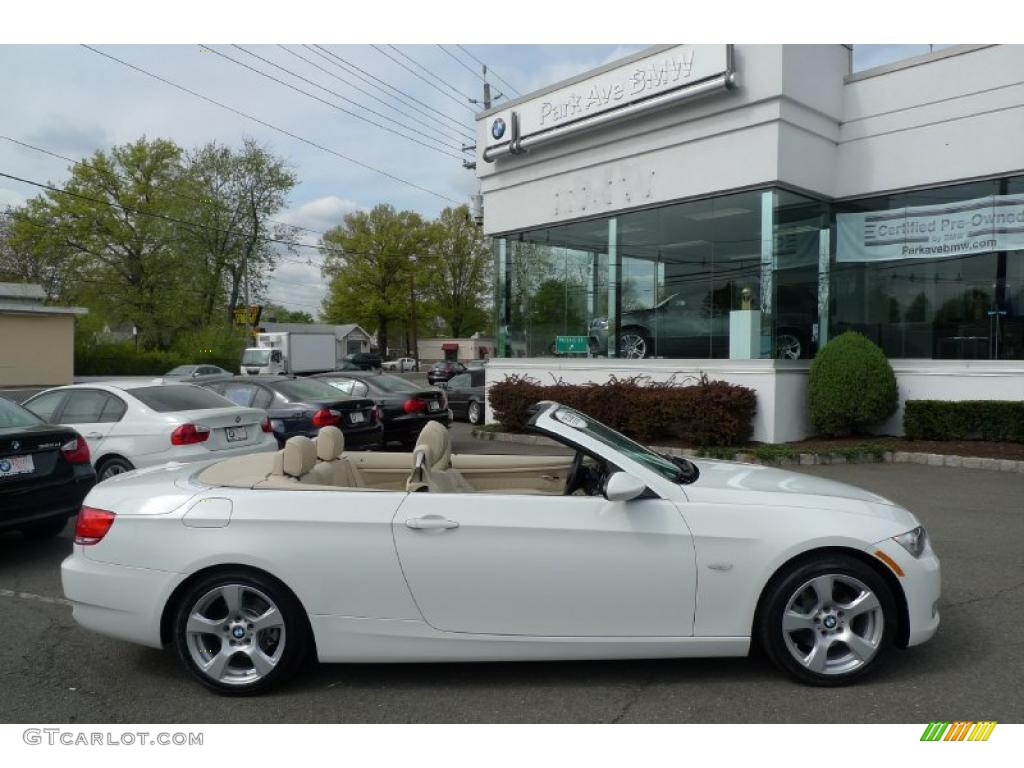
{"x":727,"y":209}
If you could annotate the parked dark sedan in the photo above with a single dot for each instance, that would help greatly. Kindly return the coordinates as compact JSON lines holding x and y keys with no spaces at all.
{"x":44,"y":473}
{"x":302,"y":406}
{"x":367,"y":361}
{"x":406,"y":407}
{"x":444,"y":370}
{"x":466,"y":395}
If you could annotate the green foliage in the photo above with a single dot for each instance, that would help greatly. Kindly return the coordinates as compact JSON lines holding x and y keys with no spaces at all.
{"x":852,"y":387}
{"x":273,"y":313}
{"x":124,"y":360}
{"x":458,"y":282}
{"x":993,"y":420}
{"x":705,"y":413}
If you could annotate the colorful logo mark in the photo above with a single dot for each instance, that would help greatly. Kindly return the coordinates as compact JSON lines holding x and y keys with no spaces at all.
{"x":959,"y":731}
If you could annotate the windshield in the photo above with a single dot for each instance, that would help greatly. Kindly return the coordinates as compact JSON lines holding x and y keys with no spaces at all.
{"x":256,"y":357}
{"x":12,"y":415}
{"x":677,"y":470}
{"x":307,"y":389}
{"x":168,"y":398}
{"x":181,"y":370}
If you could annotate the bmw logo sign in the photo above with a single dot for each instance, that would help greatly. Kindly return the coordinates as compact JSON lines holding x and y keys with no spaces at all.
{"x":498,"y":128}
{"x":15,"y":446}
{"x":238,"y":419}
{"x":5,"y":466}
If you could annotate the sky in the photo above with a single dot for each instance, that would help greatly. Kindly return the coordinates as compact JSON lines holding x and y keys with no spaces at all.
{"x":71,"y":101}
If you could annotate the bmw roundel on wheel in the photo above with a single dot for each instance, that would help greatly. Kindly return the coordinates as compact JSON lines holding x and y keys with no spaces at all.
{"x":248,"y":565}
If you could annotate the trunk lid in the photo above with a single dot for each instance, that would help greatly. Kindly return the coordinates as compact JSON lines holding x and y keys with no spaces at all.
{"x":231,"y":427}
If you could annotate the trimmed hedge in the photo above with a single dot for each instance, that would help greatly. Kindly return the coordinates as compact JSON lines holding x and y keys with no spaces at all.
{"x":125,"y":360}
{"x":702,"y":413}
{"x":852,"y":387}
{"x":992,"y":420}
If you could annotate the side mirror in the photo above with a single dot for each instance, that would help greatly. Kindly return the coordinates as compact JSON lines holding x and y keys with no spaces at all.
{"x":622,"y":486}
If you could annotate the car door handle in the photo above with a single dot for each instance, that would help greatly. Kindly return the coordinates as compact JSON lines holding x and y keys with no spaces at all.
{"x":430,"y":523}
{"x":94,"y":435}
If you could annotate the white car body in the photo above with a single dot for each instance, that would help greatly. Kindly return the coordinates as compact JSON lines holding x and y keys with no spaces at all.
{"x":401,"y":365}
{"x":677,"y":572}
{"x":142,"y":435}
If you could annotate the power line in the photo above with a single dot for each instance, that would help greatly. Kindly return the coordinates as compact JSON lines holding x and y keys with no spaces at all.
{"x":462,"y":63}
{"x":324,"y":101}
{"x":264,"y":123}
{"x":439,"y":131}
{"x":421,"y":77}
{"x":496,"y":75}
{"x":361,"y":72}
{"x":434,"y":75}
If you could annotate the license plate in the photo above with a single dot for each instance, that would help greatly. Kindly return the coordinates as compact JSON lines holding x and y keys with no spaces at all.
{"x":357,"y":418}
{"x":236,"y":434}
{"x":433,"y":405}
{"x":16,"y":465}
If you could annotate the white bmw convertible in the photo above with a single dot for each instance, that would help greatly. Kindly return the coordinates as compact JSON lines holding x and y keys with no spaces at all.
{"x":251,"y":564}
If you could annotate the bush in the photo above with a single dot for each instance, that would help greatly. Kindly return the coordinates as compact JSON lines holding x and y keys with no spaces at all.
{"x":124,"y":360}
{"x":703,"y":413}
{"x":995,"y":420}
{"x":852,"y":386}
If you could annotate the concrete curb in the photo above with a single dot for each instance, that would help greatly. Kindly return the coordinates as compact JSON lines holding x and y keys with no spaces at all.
{"x":805,"y":459}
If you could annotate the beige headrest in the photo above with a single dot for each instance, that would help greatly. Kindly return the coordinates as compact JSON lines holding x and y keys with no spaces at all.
{"x":436,"y":446}
{"x":299,"y":456}
{"x":330,"y":443}
{"x":277,"y":467}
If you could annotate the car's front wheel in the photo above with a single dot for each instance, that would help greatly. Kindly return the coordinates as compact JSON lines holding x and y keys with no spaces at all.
{"x":475,"y":412}
{"x":633,"y":344}
{"x":828,"y":621}
{"x":240,"y":633}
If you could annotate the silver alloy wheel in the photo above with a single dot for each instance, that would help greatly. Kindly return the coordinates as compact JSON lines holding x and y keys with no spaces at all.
{"x":833,"y":624}
{"x":632,"y":345}
{"x":113,"y":469}
{"x":474,"y":413}
{"x":788,"y":346}
{"x":235,"y":634}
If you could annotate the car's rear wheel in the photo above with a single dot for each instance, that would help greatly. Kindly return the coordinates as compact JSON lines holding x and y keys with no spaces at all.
{"x":828,"y":621}
{"x":475,"y":413}
{"x":115,"y":465}
{"x":788,"y":346}
{"x":240,"y":633}
{"x":633,"y":344}
{"x":45,"y":529}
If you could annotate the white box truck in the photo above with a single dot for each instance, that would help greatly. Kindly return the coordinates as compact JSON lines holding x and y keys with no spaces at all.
{"x":291,"y":353}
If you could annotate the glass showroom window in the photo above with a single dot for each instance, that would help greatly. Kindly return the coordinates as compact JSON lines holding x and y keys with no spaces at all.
{"x":933,"y":273}
{"x":800,"y":277}
{"x":552,"y":285}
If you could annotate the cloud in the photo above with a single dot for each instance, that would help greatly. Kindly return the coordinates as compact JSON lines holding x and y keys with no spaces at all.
{"x":321,"y":213}
{"x":10,"y":197}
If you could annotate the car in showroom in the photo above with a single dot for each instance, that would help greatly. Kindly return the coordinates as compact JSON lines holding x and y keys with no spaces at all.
{"x":405,"y":407}
{"x":676,"y":328}
{"x":466,"y":395}
{"x":401,"y":365}
{"x":301,"y":406}
{"x":444,"y":370}
{"x":134,"y":424}
{"x":248,"y":565}
{"x":44,"y":473}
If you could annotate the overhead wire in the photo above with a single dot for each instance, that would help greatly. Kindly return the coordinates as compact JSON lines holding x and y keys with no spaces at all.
{"x":430,"y":72}
{"x":489,"y":69}
{"x":273,"y":127}
{"x":418,"y":75}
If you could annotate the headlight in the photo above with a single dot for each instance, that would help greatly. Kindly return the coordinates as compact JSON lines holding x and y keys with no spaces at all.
{"x":600,"y":323}
{"x":913,"y":541}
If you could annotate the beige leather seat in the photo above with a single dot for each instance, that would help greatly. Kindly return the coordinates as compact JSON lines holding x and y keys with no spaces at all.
{"x":432,"y":463}
{"x":333,"y":468}
{"x":295,"y":462}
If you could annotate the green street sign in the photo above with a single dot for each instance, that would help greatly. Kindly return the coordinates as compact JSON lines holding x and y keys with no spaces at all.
{"x":571,"y":345}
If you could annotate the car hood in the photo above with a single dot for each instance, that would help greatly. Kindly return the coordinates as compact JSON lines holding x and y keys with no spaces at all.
{"x":724,"y":482}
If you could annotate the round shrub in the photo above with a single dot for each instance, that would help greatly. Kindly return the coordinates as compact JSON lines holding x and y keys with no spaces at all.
{"x":852,"y":386}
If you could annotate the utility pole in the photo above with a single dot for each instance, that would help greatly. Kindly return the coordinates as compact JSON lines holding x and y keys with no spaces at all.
{"x":412,"y":320}
{"x":487,"y":90}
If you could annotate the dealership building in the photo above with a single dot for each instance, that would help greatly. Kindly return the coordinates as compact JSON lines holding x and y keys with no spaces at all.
{"x":727,"y":209}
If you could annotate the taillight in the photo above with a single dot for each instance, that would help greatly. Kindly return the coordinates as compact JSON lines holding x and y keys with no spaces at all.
{"x":414,"y":405}
{"x":76,"y":451}
{"x":189,"y":434}
{"x":265,"y":424}
{"x":92,"y":525}
{"x":326,"y":417}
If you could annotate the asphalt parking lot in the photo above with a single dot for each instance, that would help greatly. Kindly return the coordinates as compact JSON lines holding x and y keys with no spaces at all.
{"x":53,"y":671}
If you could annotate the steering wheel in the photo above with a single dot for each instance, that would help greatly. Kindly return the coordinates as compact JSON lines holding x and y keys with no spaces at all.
{"x":577,"y":475}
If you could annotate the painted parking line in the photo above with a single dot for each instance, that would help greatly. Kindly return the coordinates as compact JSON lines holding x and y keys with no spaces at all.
{"x":37,"y":598}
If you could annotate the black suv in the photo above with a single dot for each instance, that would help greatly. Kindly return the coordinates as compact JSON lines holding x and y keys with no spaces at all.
{"x":367,"y":361}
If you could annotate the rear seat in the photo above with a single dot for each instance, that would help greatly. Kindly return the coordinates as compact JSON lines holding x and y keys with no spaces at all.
{"x":333,"y":467}
{"x":293,"y":464}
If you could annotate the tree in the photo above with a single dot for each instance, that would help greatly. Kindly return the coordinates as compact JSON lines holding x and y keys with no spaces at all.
{"x":236,"y":193}
{"x":274,"y":313}
{"x":370,"y":261}
{"x":459,"y":280}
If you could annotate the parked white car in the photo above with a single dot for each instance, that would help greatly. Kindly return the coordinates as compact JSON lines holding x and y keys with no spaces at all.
{"x":246,"y":565}
{"x":401,"y":365}
{"x":129,"y":425}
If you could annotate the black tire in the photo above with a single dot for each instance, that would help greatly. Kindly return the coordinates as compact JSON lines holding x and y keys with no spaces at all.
{"x":111,"y":467}
{"x":295,"y":634}
{"x":782,"y":646}
{"x":44,"y":529}
{"x":475,"y":412}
